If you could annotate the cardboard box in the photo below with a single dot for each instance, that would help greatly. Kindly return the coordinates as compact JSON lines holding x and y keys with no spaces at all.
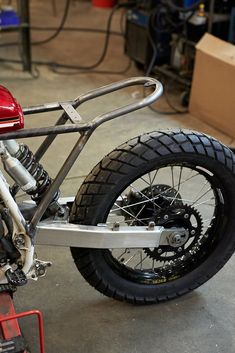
{"x":213,"y":88}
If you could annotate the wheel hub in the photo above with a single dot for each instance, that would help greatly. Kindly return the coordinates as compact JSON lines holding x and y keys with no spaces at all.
{"x":176,"y":240}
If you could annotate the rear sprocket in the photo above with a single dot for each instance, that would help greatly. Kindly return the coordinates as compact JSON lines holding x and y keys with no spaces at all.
{"x":174,"y":216}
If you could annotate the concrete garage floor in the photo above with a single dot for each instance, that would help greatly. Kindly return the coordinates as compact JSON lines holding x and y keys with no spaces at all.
{"x":76,"y":317}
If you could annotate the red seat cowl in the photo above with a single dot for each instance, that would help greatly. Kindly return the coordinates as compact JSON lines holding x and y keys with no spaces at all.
{"x":11,"y":114}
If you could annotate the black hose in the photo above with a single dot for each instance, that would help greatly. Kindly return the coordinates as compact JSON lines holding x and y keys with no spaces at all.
{"x":75,"y":29}
{"x":59,"y":29}
{"x":153,"y":21}
{"x":105,"y":47}
{"x":55,"y":67}
{"x":66,"y":29}
{"x":174,"y":110}
{"x":154,"y":48}
{"x":84,"y":69}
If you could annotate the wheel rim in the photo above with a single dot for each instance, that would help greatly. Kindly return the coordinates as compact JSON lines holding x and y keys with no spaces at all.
{"x":188,"y":189}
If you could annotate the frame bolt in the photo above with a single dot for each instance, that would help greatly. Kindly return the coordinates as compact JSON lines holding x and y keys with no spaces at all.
{"x":166,"y":216}
{"x":193,"y":232}
{"x":177,"y":239}
{"x":159,"y":251}
{"x":186,"y":216}
{"x":179,"y":249}
{"x":19,"y":240}
{"x":61,"y":212}
{"x":151,"y":225}
{"x":116,"y":226}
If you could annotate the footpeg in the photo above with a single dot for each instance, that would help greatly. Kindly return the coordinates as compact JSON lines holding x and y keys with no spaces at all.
{"x":16,"y":278}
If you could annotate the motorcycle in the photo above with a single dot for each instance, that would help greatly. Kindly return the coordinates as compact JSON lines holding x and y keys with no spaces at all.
{"x":152,"y":221}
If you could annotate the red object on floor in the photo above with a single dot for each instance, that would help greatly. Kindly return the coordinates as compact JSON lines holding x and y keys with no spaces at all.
{"x":9,"y":319}
{"x":104,"y":3}
{"x":9,"y":328}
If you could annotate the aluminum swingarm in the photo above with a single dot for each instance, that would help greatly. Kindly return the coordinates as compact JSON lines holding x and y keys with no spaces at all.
{"x":103,"y":237}
{"x":59,"y":232}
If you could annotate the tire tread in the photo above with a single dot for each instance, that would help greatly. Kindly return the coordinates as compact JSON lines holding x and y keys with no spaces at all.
{"x":126,"y":159}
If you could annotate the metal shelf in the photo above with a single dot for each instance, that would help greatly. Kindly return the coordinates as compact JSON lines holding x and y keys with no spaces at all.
{"x":24,"y":30}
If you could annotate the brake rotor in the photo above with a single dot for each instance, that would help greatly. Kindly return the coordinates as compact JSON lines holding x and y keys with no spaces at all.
{"x":160,"y":196}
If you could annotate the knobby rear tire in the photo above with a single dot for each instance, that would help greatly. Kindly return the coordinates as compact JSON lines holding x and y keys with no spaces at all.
{"x":117,"y":170}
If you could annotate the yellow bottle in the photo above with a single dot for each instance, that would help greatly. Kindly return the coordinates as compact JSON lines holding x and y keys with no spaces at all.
{"x":201,"y":11}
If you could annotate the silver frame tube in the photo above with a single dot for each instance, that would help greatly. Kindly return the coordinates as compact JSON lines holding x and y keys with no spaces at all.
{"x":85,"y":130}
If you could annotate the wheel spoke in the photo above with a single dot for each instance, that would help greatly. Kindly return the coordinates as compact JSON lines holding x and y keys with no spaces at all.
{"x":140,"y":205}
{"x":146,"y":197}
{"x":138,"y":214}
{"x":141,"y":261}
{"x":208,"y":220}
{"x":201,"y":190}
{"x":145,"y":181}
{"x":172,"y":177}
{"x":180,"y":184}
{"x":155,"y":174}
{"x":153,"y":267}
{"x":130,"y":220}
{"x":199,"y":198}
{"x":133,"y":204}
{"x":178,"y":187}
{"x":205,"y":203}
{"x":130,"y":214}
{"x":151,"y":189}
{"x":131,"y":258}
{"x":124,"y":252}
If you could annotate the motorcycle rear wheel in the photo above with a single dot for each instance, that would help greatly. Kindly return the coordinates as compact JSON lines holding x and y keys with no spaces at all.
{"x":130,"y":174}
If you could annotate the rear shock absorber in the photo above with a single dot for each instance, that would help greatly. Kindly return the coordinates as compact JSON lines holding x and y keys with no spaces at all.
{"x":26,"y":157}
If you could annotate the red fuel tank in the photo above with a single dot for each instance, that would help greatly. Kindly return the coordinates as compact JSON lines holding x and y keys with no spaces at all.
{"x":11,"y":114}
